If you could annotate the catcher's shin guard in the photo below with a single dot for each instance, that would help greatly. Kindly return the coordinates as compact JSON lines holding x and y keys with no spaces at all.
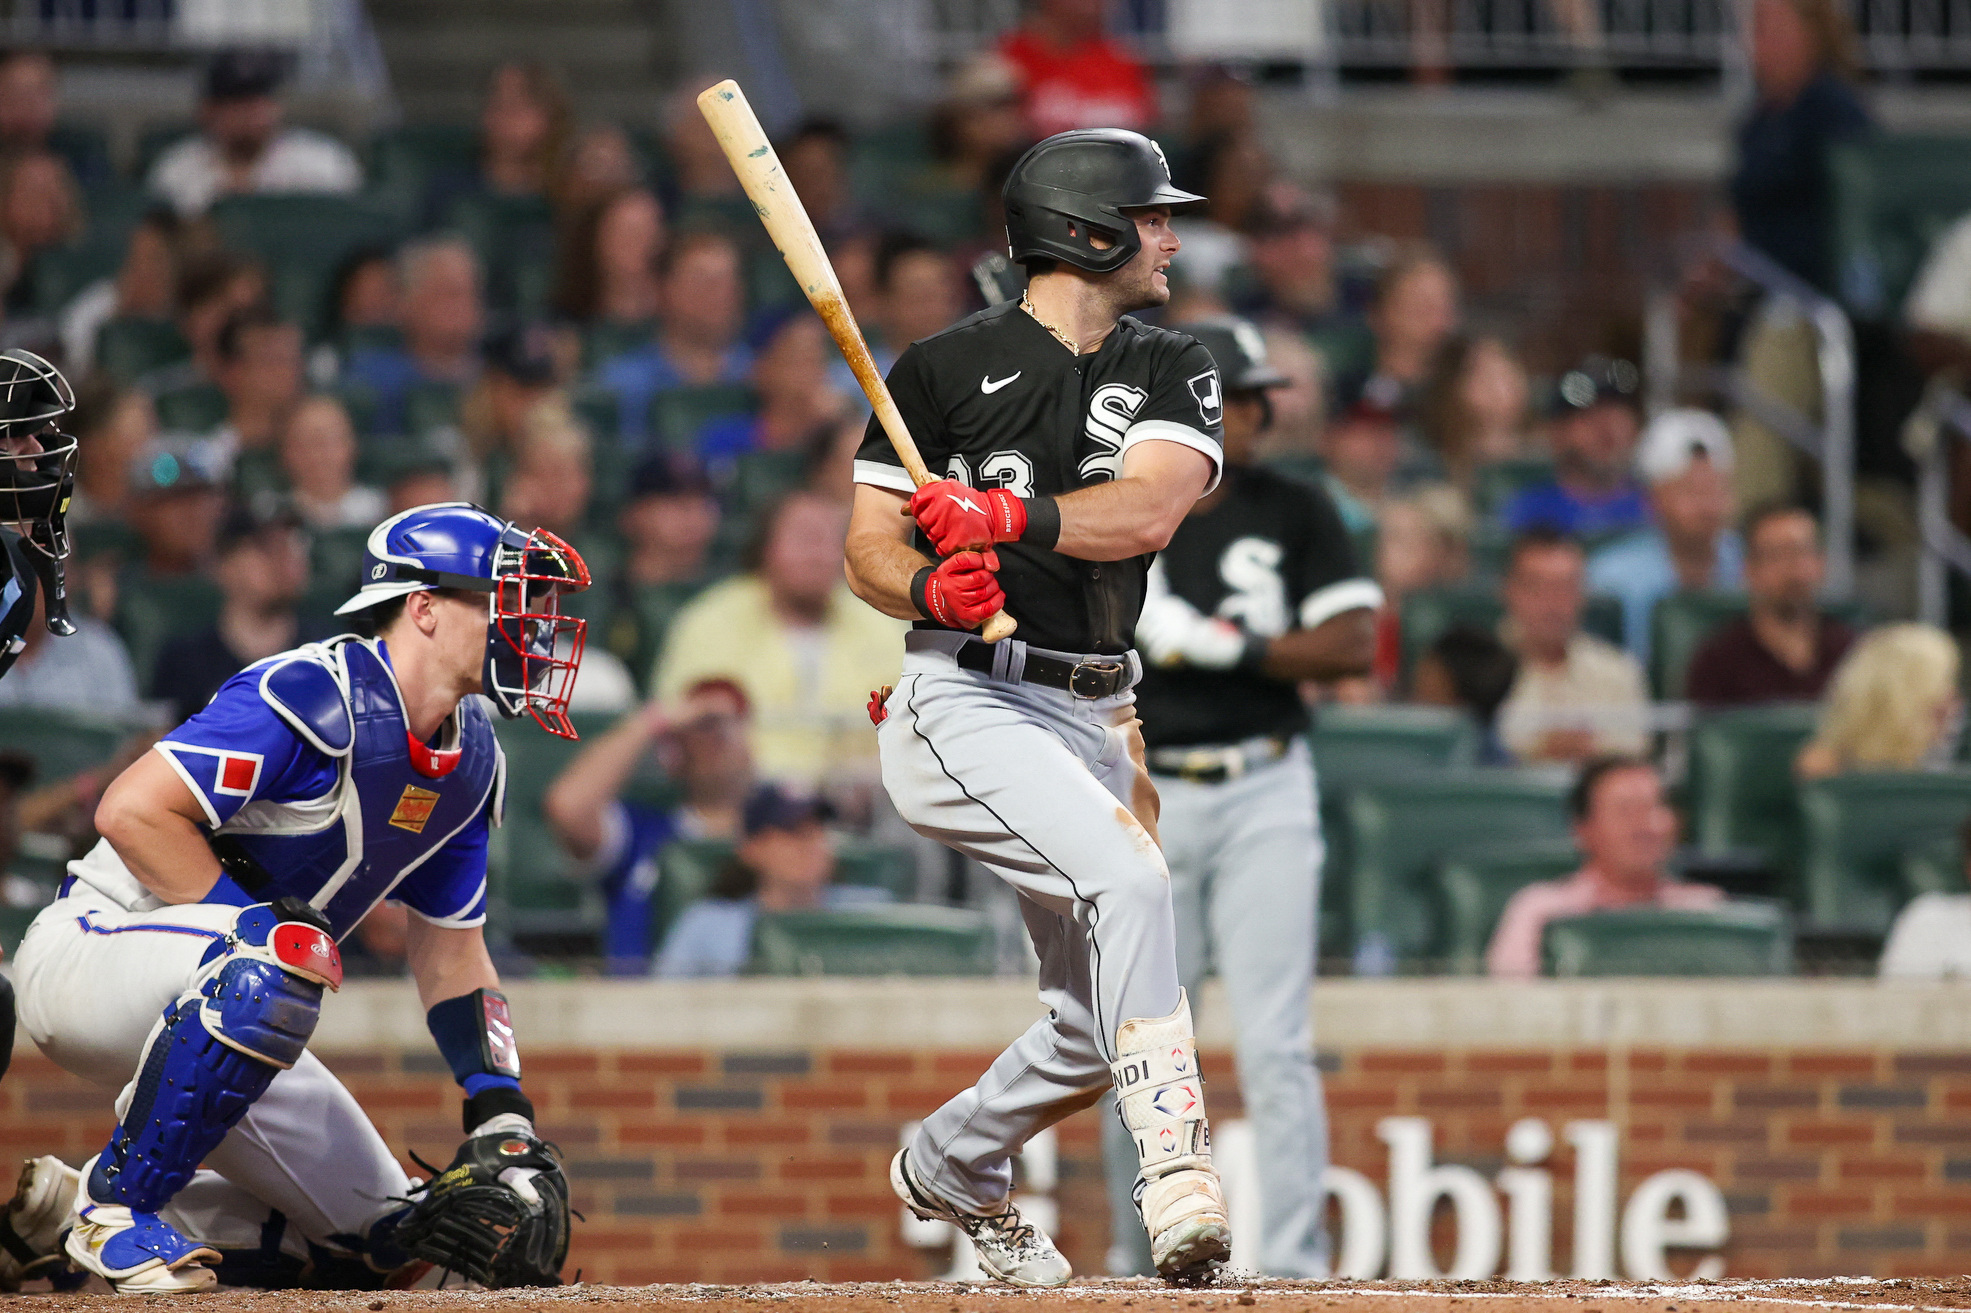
{"x":1160,"y":1098}
{"x":216,"y":1051}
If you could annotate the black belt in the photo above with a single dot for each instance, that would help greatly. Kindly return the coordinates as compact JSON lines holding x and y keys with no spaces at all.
{"x":1091,"y":677}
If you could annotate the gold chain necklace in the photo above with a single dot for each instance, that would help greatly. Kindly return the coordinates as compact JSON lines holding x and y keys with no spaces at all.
{"x":1074,"y":348}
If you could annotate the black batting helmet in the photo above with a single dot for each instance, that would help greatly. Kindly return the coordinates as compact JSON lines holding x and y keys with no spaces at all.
{"x":1239,"y":352}
{"x":1075,"y":185}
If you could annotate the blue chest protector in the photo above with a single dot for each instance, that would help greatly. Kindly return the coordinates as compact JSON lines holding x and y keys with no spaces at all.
{"x":344,"y":851}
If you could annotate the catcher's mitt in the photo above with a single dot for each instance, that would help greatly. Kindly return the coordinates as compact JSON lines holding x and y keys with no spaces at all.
{"x":498,"y":1215}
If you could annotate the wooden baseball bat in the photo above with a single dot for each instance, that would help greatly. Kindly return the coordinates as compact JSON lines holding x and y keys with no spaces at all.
{"x":753,"y":159}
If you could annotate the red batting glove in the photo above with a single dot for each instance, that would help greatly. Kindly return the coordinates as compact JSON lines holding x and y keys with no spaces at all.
{"x":961,"y":592}
{"x":957,"y":518}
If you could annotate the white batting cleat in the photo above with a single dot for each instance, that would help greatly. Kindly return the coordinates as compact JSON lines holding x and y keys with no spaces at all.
{"x":1010,"y":1248}
{"x":1160,"y":1098}
{"x":31,"y":1224}
{"x":137,"y":1253}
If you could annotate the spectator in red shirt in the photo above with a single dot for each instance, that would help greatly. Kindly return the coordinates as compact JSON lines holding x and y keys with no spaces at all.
{"x":1626,"y":830}
{"x":1072,"y":76}
{"x":1784,"y":649}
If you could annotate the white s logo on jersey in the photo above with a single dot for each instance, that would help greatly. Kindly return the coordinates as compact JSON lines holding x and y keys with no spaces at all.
{"x":1250,"y":567}
{"x":1110,"y":412}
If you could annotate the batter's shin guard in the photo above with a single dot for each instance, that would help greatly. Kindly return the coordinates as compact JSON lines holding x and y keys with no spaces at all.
{"x":1160,"y":1098}
{"x":219,"y":1048}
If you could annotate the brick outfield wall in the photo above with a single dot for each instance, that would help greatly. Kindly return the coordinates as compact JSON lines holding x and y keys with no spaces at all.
{"x":725,"y":1166}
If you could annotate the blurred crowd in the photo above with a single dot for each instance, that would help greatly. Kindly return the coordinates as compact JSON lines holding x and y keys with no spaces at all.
{"x":278,"y":339}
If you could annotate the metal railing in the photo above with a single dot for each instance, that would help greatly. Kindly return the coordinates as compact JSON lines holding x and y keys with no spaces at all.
{"x":1942,"y":420}
{"x":1829,"y":440}
{"x":1897,"y":36}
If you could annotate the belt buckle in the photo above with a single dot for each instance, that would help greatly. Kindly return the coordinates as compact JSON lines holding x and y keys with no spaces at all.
{"x":1094,"y":679}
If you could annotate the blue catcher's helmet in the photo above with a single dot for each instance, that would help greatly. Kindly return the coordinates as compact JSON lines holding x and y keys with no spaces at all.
{"x":532,"y":650}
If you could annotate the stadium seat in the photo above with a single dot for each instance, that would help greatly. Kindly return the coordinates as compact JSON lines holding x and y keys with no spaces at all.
{"x":877,"y":866}
{"x":1934,"y":866}
{"x":1741,"y":789}
{"x":531,"y":890}
{"x":600,"y":411}
{"x":152,"y":610}
{"x":514,"y":236}
{"x":1399,"y":830}
{"x":14,"y":922}
{"x":1741,"y":938}
{"x":429,"y":407}
{"x":335,"y":558}
{"x":1498,"y":482}
{"x":154,"y":141}
{"x":637,"y":627}
{"x":687,"y":870}
{"x":404,"y":161}
{"x":1678,"y":626}
{"x":678,"y":414}
{"x":1302,"y":465}
{"x":874,"y":941}
{"x":1893,"y":195}
{"x":607,"y":340}
{"x":1475,"y":885}
{"x":1856,"y":828}
{"x":303,"y":239}
{"x":198,"y":409}
{"x":63,"y":743}
{"x":1429,"y":612}
{"x":127,"y":349}
{"x":1353,"y":743}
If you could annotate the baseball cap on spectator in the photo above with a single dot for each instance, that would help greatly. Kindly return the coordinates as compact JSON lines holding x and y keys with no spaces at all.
{"x":770,"y":807}
{"x":1285,"y":208}
{"x":175,"y":463}
{"x":244,"y":75}
{"x":522,"y":352}
{"x":668,"y":474}
{"x":243,"y":524}
{"x":1675,"y":438}
{"x":1594,"y":380}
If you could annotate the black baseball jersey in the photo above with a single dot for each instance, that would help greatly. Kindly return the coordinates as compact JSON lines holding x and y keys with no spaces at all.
{"x":1271,"y":556}
{"x":17,"y":594}
{"x":996,"y":401}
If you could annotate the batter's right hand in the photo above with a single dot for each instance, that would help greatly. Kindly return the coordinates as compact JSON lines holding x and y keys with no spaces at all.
{"x":960,"y":592}
{"x":957,"y":518}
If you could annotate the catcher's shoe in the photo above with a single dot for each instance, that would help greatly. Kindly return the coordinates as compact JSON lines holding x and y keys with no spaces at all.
{"x":1010,"y":1248}
{"x":31,"y":1224}
{"x":137,"y":1253}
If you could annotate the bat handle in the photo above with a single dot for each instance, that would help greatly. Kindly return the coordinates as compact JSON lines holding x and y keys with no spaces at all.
{"x":997,"y":626}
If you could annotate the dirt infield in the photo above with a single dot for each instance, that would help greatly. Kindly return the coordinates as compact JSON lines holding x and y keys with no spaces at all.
{"x":1231,"y":1296}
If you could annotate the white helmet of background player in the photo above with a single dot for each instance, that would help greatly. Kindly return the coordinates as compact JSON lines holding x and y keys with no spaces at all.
{"x":532,"y":650}
{"x":37,"y":470}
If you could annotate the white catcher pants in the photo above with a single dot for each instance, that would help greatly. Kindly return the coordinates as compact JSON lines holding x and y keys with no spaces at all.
{"x":1047,"y":791}
{"x":93,"y":982}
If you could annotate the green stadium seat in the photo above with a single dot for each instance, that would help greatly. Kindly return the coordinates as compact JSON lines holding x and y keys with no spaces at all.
{"x":1678,"y":626}
{"x":152,"y":610}
{"x":530,"y":889}
{"x":606,"y":341}
{"x":677,"y":414}
{"x":1742,"y":793}
{"x":1856,"y":828}
{"x":335,"y":558}
{"x":875,"y":941}
{"x":1302,"y":465}
{"x":1741,"y":938}
{"x":199,"y":408}
{"x":1400,"y":830}
{"x":154,"y":141}
{"x":1893,"y":195}
{"x":404,"y":161}
{"x":1934,"y":866}
{"x":600,"y":411}
{"x":1429,"y":612}
{"x":127,"y":349}
{"x":514,"y":236}
{"x":1353,"y":743}
{"x":877,"y":866}
{"x":687,"y":870}
{"x":1498,"y":482}
{"x":14,"y":922}
{"x":303,"y":238}
{"x":638,"y":625}
{"x":361,"y":404}
{"x":64,"y":743}
{"x":1475,"y":885}
{"x":429,"y":407}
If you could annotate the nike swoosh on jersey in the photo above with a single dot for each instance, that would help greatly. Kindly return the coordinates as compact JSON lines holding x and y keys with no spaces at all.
{"x":988,"y":385}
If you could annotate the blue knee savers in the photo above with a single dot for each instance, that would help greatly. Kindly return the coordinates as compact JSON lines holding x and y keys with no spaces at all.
{"x":220,"y":1047}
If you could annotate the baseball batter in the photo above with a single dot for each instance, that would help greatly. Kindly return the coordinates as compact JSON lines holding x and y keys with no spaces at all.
{"x":1075,"y":439}
{"x":1257,"y":591}
{"x":186,"y":956}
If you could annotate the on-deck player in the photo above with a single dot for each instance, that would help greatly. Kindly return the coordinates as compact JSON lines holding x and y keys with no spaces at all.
{"x":1076,"y":439}
{"x":186,"y":955}
{"x":1257,"y":591}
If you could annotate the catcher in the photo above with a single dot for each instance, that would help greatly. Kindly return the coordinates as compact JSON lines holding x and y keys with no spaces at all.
{"x":186,"y":956}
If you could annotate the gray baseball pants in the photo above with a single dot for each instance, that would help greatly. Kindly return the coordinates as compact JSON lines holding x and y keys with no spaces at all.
{"x":1245,"y":861}
{"x":1048,"y":791}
